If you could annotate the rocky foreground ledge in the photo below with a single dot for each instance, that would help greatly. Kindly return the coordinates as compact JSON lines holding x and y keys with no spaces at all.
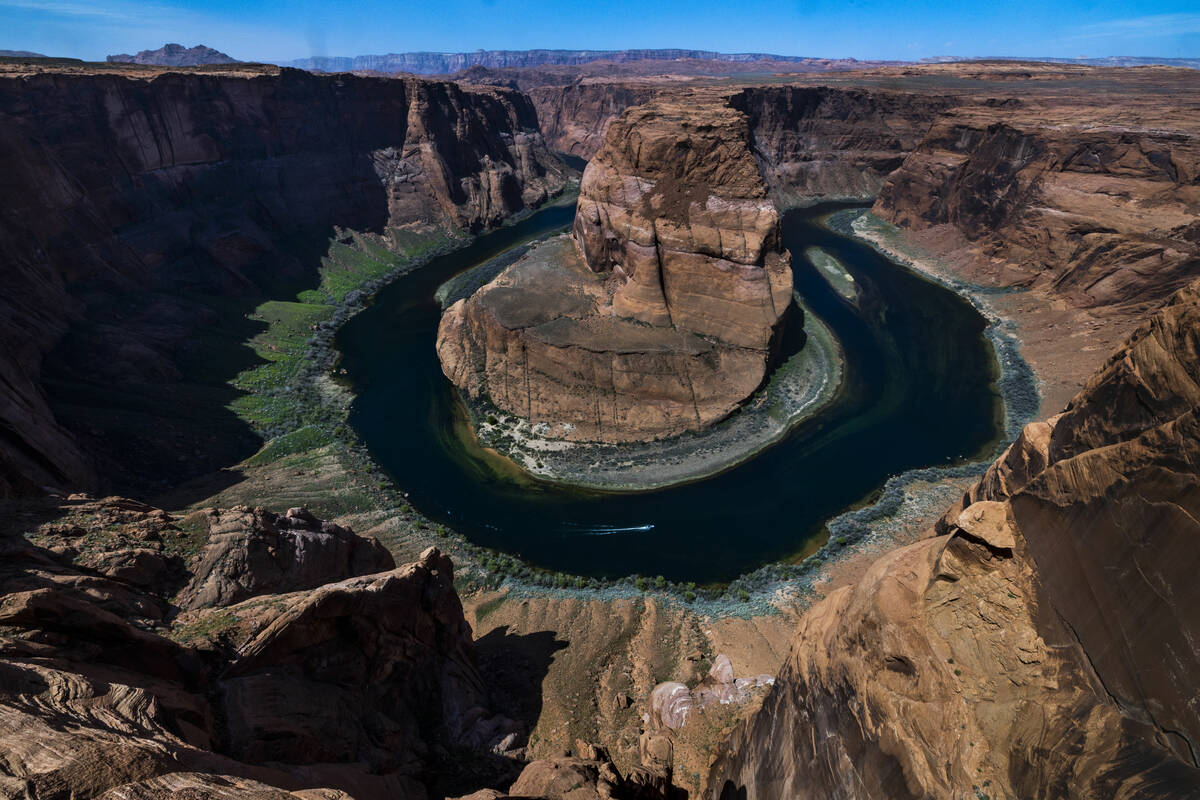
{"x":668,"y":315}
{"x":1040,"y":641}
{"x":233,"y":653}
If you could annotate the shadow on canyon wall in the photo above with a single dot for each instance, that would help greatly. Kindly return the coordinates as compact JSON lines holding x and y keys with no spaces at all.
{"x":145,"y":219}
{"x":514,"y":666}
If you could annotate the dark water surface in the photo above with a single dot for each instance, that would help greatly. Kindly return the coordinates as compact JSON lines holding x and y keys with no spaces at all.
{"x":918,"y":393}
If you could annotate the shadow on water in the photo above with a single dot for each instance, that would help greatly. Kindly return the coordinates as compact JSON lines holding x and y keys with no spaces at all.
{"x":918,"y":393}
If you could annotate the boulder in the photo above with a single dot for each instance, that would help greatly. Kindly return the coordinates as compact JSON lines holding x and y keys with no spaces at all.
{"x":253,"y":552}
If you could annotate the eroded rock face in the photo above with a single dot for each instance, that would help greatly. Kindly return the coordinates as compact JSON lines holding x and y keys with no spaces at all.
{"x":668,"y":316}
{"x":575,"y":118}
{"x":1100,"y":205}
{"x":1043,"y":643}
{"x":141,"y":195}
{"x":361,"y":687}
{"x":819,"y":141}
{"x":251,"y":552}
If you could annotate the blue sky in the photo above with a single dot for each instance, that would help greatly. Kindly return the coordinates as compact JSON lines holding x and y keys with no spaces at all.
{"x":894,"y":29}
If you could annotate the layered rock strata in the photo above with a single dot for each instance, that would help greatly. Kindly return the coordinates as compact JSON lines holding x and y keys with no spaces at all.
{"x":821,"y":141}
{"x":1098,"y":206}
{"x":129,"y":201}
{"x":1041,"y":641}
{"x":361,"y":687}
{"x":575,"y":118}
{"x":668,"y":316}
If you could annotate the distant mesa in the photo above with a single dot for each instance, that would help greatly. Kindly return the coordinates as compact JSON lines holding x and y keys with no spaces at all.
{"x":1105,"y":61}
{"x":175,"y":55}
{"x":423,"y":63}
{"x":21,"y":54}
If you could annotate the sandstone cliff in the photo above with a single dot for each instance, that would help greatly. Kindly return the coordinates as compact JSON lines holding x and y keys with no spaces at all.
{"x":1097,"y":205}
{"x":668,"y":316}
{"x":575,"y":118}
{"x":140,"y":210}
{"x":1041,"y":642}
{"x":816,"y":141}
{"x":364,"y":685}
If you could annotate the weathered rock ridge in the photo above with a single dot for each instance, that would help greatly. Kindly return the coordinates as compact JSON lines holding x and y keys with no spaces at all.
{"x":837,"y":142}
{"x":1098,"y":206}
{"x":668,"y":316}
{"x":129,"y":201}
{"x":360,"y":687}
{"x":1041,"y":642}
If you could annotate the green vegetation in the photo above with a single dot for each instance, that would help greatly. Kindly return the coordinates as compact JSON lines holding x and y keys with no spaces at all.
{"x":282,"y":348}
{"x":209,"y":626}
{"x":485,"y":609}
{"x":354,"y":259}
{"x":285,"y":395}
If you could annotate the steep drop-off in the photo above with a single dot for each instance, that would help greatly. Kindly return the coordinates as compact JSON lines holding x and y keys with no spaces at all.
{"x":671,"y":318}
{"x":1099,"y":206}
{"x":140,"y":212}
{"x":575,"y":118}
{"x":1041,"y":642}
{"x":819,"y":141}
{"x":363,"y":684}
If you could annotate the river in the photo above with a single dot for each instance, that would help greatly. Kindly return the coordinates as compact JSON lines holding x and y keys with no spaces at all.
{"x":919,"y":392}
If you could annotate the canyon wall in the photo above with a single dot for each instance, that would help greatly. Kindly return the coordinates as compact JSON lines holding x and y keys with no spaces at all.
{"x":1041,"y":642}
{"x":126,"y":200}
{"x":575,"y":118}
{"x":667,"y":316}
{"x":838,"y":142}
{"x":1099,"y":206}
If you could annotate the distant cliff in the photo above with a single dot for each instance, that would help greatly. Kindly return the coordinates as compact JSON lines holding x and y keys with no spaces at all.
{"x":575,"y":118}
{"x":1100,"y":208}
{"x":174,"y":55}
{"x":444,"y":63}
{"x":127,"y":200}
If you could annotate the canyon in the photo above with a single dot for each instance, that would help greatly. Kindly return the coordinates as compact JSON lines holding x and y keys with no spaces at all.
{"x":971,"y":657}
{"x":1035,"y":639}
{"x":141,"y":208}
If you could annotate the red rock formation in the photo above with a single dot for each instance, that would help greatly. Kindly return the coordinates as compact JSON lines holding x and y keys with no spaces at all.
{"x":125,"y":198}
{"x":362,"y":685}
{"x":1099,"y":206}
{"x":670,"y":321}
{"x":816,"y":141}
{"x":256,"y":552}
{"x":1045,"y":642}
{"x":575,"y":118}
